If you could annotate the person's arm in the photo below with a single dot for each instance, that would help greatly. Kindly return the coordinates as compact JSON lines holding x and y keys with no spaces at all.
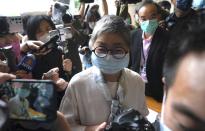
{"x":61,"y":123}
{"x":99,"y":127}
{"x":104,"y":7}
{"x":53,"y":75}
{"x":33,"y":46}
{"x":131,"y":11}
{"x":82,"y":9}
{"x":5,"y":76}
{"x":68,"y":107}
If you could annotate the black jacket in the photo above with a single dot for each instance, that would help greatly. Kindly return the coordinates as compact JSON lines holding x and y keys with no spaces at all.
{"x":46,"y":62}
{"x":158,"y":47}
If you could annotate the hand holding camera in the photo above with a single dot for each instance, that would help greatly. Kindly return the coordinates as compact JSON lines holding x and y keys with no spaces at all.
{"x":130,"y":120}
{"x":53,"y":74}
{"x":99,"y":127}
{"x":34,"y":46}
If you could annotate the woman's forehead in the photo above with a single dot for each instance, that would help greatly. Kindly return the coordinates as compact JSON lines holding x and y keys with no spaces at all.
{"x":110,"y":40}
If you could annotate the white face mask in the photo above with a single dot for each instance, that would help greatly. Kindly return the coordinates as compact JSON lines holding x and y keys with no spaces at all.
{"x":110,"y":65}
{"x":44,"y":38}
{"x":92,"y":25}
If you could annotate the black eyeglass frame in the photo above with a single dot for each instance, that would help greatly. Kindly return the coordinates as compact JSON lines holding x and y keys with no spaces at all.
{"x":124,"y":52}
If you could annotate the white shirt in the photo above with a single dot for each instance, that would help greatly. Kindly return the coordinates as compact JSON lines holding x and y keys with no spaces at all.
{"x":87,"y":99}
{"x":146,"y":43}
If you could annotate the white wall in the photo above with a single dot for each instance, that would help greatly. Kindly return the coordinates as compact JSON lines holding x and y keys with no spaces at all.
{"x":16,"y":7}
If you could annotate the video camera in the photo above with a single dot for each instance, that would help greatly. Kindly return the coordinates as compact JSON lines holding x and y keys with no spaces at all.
{"x":130,"y":120}
{"x":61,"y":35}
{"x":60,"y":13}
{"x":64,"y":33}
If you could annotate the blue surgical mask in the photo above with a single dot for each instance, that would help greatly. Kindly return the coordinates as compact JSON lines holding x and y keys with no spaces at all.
{"x":149,"y":26}
{"x":184,"y":5}
{"x":110,"y":65}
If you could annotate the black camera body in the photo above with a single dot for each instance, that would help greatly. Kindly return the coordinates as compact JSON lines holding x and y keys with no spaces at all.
{"x":130,"y":120}
{"x":59,"y":13}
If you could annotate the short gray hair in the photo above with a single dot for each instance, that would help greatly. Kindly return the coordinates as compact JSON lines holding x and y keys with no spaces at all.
{"x":110,"y":24}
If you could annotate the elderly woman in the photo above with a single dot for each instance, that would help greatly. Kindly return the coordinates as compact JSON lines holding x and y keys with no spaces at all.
{"x":91,"y":94}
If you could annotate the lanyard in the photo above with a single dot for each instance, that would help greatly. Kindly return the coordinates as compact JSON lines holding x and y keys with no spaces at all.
{"x":114,"y":102}
{"x":144,"y":56}
{"x":116,"y":106}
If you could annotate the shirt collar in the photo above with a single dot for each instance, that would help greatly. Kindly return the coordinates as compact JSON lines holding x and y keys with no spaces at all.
{"x":149,"y":39}
{"x":102,"y":84}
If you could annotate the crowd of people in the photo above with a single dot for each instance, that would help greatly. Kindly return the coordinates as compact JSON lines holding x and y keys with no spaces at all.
{"x":106,"y":65}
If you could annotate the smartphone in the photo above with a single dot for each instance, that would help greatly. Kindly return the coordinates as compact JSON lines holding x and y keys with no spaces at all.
{"x":51,"y":43}
{"x":30,"y":100}
{"x":7,"y":56}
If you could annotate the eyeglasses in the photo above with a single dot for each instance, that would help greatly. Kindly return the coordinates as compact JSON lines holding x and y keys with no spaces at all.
{"x":117,"y":53}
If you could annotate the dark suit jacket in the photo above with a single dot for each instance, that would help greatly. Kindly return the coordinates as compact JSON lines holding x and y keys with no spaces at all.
{"x":155,"y":60}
